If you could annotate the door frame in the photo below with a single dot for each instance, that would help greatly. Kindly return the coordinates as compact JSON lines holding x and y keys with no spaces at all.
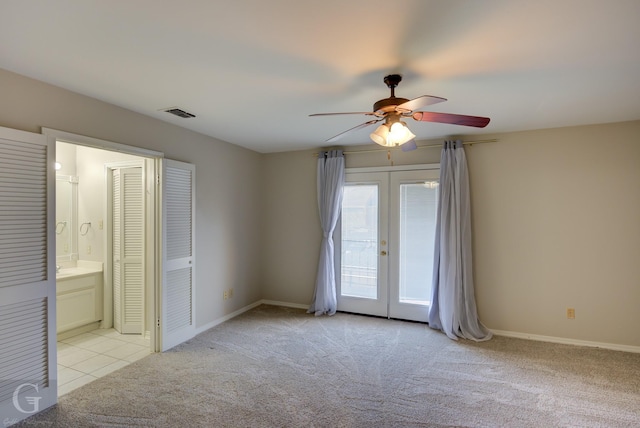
{"x":338,"y":241}
{"x":153,"y":257}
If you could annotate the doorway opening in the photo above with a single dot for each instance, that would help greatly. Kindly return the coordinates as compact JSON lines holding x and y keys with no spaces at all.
{"x":106,"y":290}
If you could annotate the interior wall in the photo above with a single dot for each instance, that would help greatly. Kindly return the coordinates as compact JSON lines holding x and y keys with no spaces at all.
{"x":66,"y":156}
{"x":92,"y":198}
{"x":291,"y":229}
{"x":556,"y":221}
{"x":556,"y":224}
{"x":228,"y":223}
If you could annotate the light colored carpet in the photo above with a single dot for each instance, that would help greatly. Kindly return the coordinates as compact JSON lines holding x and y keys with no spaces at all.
{"x":279,"y":367}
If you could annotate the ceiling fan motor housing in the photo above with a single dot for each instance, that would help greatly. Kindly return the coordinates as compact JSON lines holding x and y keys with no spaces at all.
{"x":392,"y":80}
{"x":388,"y":104}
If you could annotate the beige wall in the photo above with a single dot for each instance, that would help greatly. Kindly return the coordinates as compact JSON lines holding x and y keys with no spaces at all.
{"x":292,"y":225}
{"x":556,"y":220}
{"x":228,"y":182}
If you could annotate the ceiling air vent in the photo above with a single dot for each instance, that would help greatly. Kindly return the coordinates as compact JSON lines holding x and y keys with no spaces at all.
{"x":179,"y":112}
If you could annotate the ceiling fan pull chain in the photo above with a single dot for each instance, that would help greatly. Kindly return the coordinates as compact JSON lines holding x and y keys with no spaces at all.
{"x":389,"y":157}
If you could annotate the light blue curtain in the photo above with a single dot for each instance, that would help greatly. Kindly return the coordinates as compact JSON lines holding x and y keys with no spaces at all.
{"x":453,"y":305}
{"x":330,"y":187}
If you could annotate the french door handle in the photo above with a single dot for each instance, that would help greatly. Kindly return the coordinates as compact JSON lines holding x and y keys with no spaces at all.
{"x":383,"y":253}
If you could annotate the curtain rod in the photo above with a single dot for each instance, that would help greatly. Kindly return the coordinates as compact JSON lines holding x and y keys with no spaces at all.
{"x":425,"y":146}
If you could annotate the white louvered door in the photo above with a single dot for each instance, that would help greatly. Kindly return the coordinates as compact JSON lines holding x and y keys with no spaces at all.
{"x":128,"y":250}
{"x":178,"y":253}
{"x":28,"y":378}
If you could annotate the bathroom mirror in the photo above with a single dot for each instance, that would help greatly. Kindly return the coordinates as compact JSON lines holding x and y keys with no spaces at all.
{"x":66,"y":218}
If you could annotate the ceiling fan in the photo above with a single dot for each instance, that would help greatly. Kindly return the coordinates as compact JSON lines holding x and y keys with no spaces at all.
{"x":394,"y":131}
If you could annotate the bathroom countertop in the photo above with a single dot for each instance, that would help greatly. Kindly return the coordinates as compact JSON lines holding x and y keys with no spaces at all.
{"x":75,"y":272}
{"x":83,"y":269}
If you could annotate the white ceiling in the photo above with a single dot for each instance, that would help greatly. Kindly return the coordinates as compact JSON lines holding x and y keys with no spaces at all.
{"x":253,"y":70}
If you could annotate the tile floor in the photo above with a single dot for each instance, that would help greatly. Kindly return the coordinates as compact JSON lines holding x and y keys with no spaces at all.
{"x":88,"y":356}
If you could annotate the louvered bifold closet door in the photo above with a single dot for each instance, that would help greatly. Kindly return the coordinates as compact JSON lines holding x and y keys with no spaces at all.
{"x":178,"y":208}
{"x":128,"y":248}
{"x":27,"y":278}
{"x":116,"y":216}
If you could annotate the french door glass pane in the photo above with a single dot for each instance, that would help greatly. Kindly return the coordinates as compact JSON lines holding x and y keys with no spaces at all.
{"x":359,"y":271}
{"x":417,"y":234}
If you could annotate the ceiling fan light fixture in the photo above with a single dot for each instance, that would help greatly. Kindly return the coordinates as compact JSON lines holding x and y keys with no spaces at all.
{"x":392,"y":135}
{"x":379,"y":136}
{"x":400,"y":134}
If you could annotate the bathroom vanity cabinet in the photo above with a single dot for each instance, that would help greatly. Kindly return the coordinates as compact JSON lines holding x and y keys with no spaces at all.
{"x":79,"y":297}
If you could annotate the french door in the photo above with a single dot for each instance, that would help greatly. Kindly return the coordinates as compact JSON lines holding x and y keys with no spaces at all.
{"x":385,"y":241}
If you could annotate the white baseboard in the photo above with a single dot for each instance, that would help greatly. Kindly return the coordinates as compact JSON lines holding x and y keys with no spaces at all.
{"x":234,"y":314}
{"x":78,"y":330}
{"x":567,"y":341}
{"x":240,"y":311}
{"x":514,"y":334}
{"x":285,"y":304}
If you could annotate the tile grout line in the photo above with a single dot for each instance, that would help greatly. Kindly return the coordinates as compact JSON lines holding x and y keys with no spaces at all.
{"x":91,"y":372}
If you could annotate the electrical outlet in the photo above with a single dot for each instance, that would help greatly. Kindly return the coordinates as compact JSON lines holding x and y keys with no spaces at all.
{"x":88,"y":249}
{"x":571,"y":313}
{"x":225,"y":294}
{"x":230,"y":292}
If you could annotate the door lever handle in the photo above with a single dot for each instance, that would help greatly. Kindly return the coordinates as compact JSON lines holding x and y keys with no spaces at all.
{"x":383,"y":253}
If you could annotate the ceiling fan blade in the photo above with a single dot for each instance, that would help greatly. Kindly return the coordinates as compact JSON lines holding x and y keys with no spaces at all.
{"x":454,"y":119}
{"x":369,"y":113}
{"x":362,"y":125}
{"x":416,"y":103}
{"x":409,"y":146}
